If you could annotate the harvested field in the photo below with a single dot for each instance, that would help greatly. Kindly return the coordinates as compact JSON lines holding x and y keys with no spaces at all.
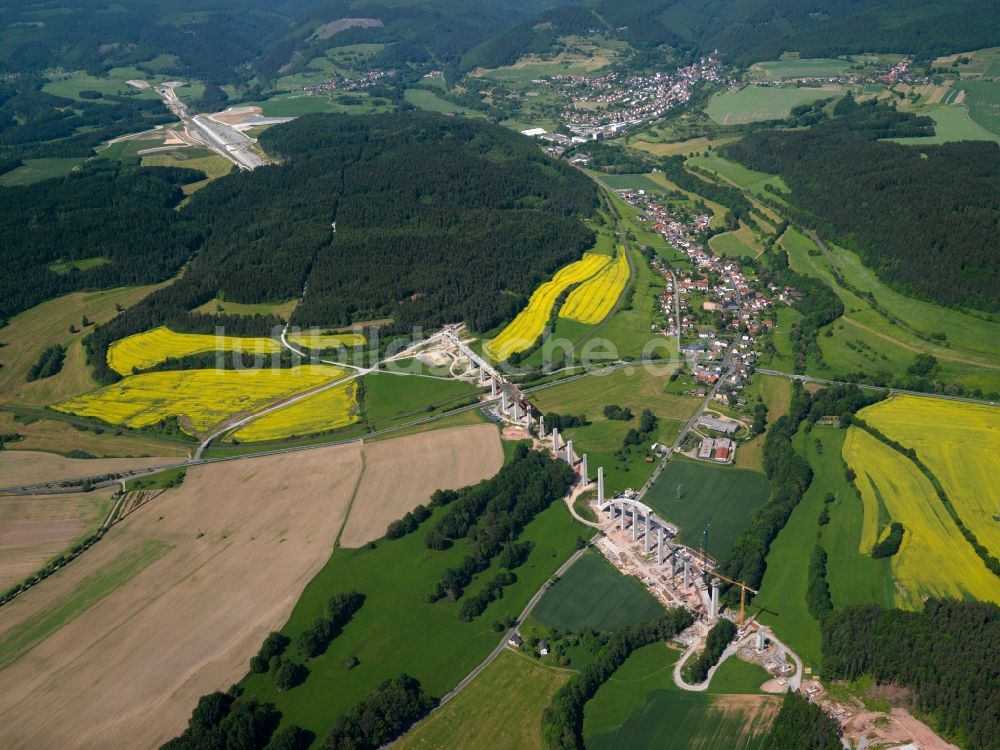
{"x":529,"y":324}
{"x":187,"y":590}
{"x":442,"y":459}
{"x":36,"y":528}
{"x":321,"y":341}
{"x":143,"y":350}
{"x":31,"y":467}
{"x":200,"y":398}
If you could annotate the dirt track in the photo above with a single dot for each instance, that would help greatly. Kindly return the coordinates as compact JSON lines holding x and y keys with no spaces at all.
{"x":234,"y":547}
{"x":31,"y":467}
{"x":36,"y":528}
{"x":402,"y":473}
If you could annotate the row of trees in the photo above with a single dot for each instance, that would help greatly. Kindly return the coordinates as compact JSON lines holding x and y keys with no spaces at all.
{"x":562,"y":720}
{"x":48,"y":364}
{"x":222,"y":722}
{"x":818,"y":599}
{"x":945,"y":654}
{"x":380,"y":717}
{"x":890,"y":545}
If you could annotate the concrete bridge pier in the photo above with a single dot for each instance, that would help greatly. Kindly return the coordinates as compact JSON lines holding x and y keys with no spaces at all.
{"x":584,"y":479}
{"x":635,"y":523}
{"x":493,"y":387}
{"x":661,"y":546}
{"x":649,"y":533}
{"x":713,"y":611}
{"x":600,"y":485}
{"x":541,"y":427}
{"x":570,"y":459}
{"x":622,"y":506}
{"x":687,"y":571}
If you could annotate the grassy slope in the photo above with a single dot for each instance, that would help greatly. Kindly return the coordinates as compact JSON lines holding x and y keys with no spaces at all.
{"x":777,"y":394}
{"x":594,"y":595}
{"x":637,"y":390}
{"x":396,"y":630}
{"x":61,"y":437}
{"x":29,"y":333}
{"x":510,"y":693}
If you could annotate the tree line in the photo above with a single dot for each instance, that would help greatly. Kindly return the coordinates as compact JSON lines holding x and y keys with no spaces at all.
{"x":945,"y":654}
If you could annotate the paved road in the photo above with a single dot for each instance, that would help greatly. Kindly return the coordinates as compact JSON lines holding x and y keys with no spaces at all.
{"x":521,"y":618}
{"x":794,"y":682}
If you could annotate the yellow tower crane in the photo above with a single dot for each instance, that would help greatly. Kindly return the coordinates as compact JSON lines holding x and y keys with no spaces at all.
{"x":743,"y":593}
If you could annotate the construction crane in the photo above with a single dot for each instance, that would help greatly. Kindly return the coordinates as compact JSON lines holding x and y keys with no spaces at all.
{"x":743,"y":593}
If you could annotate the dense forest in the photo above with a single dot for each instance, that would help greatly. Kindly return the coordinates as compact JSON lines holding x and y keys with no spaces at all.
{"x":120,"y":214}
{"x":417,"y":217}
{"x":946,"y":655}
{"x":925,"y":219}
{"x":801,"y":725}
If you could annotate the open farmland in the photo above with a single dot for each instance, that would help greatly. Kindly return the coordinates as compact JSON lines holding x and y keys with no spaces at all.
{"x":36,"y":528}
{"x":818,"y":67}
{"x":738,"y":244}
{"x":694,"y":495}
{"x":200,"y":398}
{"x":591,"y":302}
{"x":593,"y":595}
{"x":317,"y":340}
{"x":30,"y":467}
{"x":61,"y":437}
{"x":640,"y":389}
{"x":442,"y":459}
{"x":282,"y":309}
{"x":31,"y":332}
{"x":934,"y":558}
{"x":524,"y":330}
{"x":144,"y":350}
{"x":510,"y":693}
{"x":322,"y":412}
{"x":115,"y":649}
{"x":640,"y":707}
{"x":397,"y":630}
{"x":960,"y":444}
{"x":759,"y":103}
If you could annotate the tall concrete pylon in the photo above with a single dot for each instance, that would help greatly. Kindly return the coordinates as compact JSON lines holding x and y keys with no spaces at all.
{"x":541,"y":427}
{"x":714,"y":610}
{"x":584,"y":479}
{"x":503,"y":402}
{"x":649,"y":533}
{"x":635,"y":522}
{"x":761,"y":637}
{"x":555,"y":440}
{"x":517,"y":411}
{"x":600,"y":485}
{"x":527,"y":416}
{"x":687,"y":571}
{"x":622,"y":506}
{"x":661,"y":547}
{"x":493,"y":387}
{"x":570,"y":458}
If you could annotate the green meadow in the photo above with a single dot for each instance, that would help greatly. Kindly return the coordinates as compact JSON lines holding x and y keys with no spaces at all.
{"x":759,"y":103}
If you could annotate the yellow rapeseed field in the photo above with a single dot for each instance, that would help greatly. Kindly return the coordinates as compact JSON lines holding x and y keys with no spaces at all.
{"x":143,"y":350}
{"x":960,"y":443}
{"x":934,"y":558}
{"x":317,"y":340}
{"x":592,"y":301}
{"x":530,"y":322}
{"x":322,"y":412}
{"x":200,"y":398}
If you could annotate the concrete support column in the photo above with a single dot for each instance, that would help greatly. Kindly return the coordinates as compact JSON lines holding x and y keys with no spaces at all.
{"x":687,"y":571}
{"x":661,"y":547}
{"x":714,"y":610}
{"x":761,"y":636}
{"x":622,"y":506}
{"x":600,"y":485}
{"x":570,"y":458}
{"x":517,"y":411}
{"x":493,"y":387}
{"x":503,"y":402}
{"x":584,"y":479}
{"x":649,"y":533}
{"x":635,"y":523}
{"x":541,"y":427}
{"x":555,"y":440}
{"x":527,"y":416}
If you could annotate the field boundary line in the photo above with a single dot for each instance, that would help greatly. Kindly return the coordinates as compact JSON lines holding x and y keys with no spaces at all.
{"x":354,"y":496}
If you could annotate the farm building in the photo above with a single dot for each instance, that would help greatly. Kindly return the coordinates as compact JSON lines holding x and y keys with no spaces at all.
{"x":718,"y":425}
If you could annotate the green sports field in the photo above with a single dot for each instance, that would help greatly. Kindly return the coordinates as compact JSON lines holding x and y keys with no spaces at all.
{"x":593,"y":595}
{"x":758,"y":103}
{"x":692,"y":495}
{"x":640,"y":707}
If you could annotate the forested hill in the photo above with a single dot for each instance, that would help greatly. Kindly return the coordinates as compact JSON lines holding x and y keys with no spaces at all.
{"x":438,"y":219}
{"x":924,"y":218}
{"x":748,"y":31}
